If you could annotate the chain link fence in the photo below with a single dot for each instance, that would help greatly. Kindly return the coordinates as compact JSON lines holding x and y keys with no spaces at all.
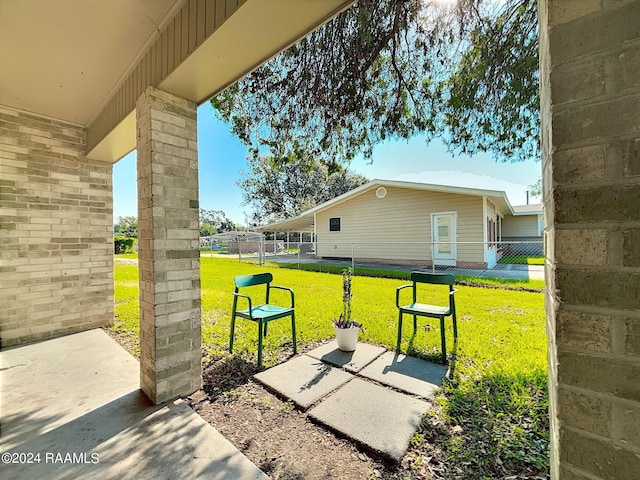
{"x":244,"y":245}
{"x":431,"y":256}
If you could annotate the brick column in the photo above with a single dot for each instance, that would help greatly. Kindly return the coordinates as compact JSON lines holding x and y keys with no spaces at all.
{"x":169,"y":257}
{"x":590,"y":99}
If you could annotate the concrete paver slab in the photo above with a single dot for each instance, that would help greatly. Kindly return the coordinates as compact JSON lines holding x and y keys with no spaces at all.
{"x":304,"y":379}
{"x":374,"y":416}
{"x":350,"y":361}
{"x":409,"y":374}
{"x":76,"y":401}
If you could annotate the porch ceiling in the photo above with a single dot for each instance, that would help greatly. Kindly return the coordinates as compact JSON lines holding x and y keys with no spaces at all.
{"x":69,"y":58}
{"x":65,"y":58}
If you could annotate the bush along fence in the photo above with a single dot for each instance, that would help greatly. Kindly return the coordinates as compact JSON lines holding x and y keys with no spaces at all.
{"x":124,"y":244}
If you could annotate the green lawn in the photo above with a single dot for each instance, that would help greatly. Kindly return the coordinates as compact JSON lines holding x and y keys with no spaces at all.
{"x":498,"y":398}
{"x":522,"y":260}
{"x":529,"y":284}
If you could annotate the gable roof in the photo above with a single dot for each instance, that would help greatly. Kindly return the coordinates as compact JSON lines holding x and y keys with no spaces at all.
{"x":305,"y":221}
{"x":531,"y":209}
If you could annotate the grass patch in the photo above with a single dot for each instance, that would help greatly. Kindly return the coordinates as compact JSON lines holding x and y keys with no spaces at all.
{"x":522,"y":260}
{"x":126,"y":325}
{"x":533,"y":285}
{"x":492,"y":419}
{"x":493,"y":426}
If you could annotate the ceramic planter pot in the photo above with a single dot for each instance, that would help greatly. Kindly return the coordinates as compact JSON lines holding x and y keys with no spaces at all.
{"x":347,"y":338}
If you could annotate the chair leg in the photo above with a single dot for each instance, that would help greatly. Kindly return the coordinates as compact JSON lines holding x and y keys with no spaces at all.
{"x":443,"y":340}
{"x":415,"y":324}
{"x":233,"y":326}
{"x":265,"y":329}
{"x":293,"y":332}
{"x":399,"y":331}
{"x":259,"y":344}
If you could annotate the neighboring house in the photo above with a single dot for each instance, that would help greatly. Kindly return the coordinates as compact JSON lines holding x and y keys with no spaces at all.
{"x":399,"y":221}
{"x":525,"y":225}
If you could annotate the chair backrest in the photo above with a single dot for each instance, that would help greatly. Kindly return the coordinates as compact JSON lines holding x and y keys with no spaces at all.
{"x":434,"y":278}
{"x":251,"y":280}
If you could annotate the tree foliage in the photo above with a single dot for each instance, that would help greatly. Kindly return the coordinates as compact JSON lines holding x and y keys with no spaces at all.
{"x":215,"y":221}
{"x":126,"y":227}
{"x":394,"y":69}
{"x":279,"y":190}
{"x":536,"y":188}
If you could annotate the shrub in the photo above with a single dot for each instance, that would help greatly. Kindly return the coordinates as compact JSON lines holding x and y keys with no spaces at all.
{"x":124,"y":244}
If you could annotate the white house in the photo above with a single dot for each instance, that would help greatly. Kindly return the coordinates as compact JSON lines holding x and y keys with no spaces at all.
{"x":407,"y":222}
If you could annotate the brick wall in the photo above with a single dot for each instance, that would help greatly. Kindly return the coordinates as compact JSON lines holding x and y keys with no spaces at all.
{"x":590,"y":64}
{"x":56,"y":231}
{"x":168,"y":246}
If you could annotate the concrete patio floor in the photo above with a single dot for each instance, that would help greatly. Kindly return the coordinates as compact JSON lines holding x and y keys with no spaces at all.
{"x":73,"y":408}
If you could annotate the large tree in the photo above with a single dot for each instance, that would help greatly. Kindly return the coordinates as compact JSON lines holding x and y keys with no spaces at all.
{"x":214,"y":221}
{"x":463,"y":71}
{"x":279,"y":190}
{"x":126,"y":227}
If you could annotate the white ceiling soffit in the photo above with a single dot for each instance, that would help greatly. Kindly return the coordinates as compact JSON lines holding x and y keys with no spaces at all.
{"x":118,"y":143}
{"x":65,"y":58}
{"x":256,"y":32}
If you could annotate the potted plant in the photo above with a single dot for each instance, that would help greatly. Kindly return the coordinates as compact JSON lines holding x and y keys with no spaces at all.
{"x":346,"y":328}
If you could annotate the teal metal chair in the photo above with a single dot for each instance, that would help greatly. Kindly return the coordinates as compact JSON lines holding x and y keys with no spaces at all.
{"x":261,"y":314}
{"x":425,"y":310}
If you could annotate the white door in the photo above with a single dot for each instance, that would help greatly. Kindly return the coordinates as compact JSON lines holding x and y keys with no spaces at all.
{"x":443,"y":228}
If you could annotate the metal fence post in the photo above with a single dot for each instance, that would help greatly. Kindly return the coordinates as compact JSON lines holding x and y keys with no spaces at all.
{"x":261,"y":251}
{"x":433,"y":258}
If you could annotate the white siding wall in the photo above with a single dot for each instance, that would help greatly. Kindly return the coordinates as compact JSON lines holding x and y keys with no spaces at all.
{"x":380,"y":227}
{"x":491,"y":210}
{"x":520,"y":226}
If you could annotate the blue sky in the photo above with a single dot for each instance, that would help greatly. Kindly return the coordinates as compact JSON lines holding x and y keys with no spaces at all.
{"x":221,"y":157}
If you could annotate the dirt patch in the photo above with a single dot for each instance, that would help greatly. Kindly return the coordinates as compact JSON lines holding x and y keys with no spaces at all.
{"x":282,"y":441}
{"x":128,"y":340}
{"x":471,"y":283}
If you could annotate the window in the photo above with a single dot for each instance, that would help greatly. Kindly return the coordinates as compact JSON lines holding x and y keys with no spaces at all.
{"x":334,"y":224}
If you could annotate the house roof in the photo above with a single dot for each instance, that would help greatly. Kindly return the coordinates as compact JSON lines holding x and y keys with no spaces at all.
{"x":305,"y":221}
{"x":235,"y":235}
{"x":531,"y":209}
{"x":302,"y":223}
{"x":87,"y":63}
